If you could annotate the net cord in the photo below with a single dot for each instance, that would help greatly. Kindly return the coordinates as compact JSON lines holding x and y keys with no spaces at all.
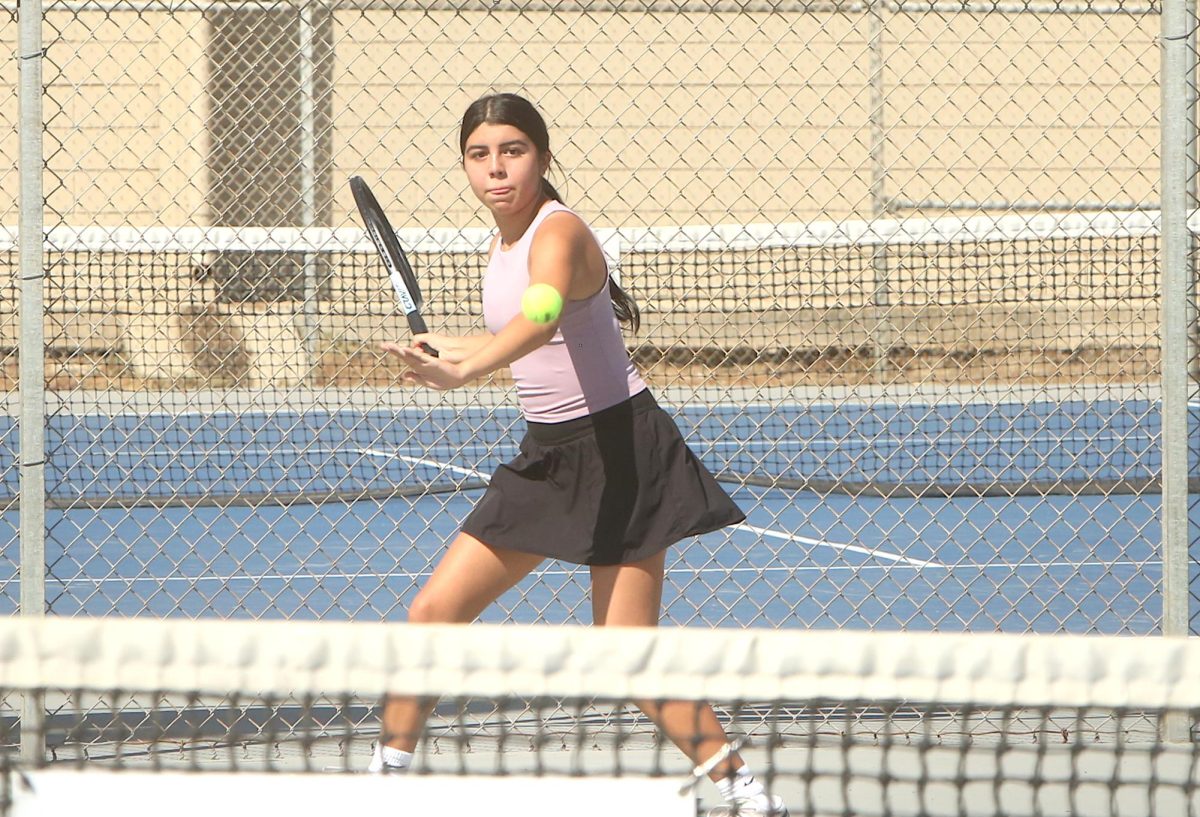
{"x":316,"y":658}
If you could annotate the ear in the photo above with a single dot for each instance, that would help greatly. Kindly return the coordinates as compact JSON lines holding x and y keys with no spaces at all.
{"x":547,"y":158}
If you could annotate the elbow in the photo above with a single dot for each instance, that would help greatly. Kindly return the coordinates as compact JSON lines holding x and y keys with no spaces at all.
{"x":544,"y":332}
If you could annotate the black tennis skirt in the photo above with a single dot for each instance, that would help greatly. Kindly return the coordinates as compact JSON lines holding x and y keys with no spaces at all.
{"x":610,"y":488}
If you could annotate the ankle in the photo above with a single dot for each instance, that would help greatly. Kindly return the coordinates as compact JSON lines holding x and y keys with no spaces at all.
{"x":386,"y":758}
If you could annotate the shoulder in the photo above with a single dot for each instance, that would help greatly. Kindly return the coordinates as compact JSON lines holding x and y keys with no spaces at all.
{"x":565,"y":246}
{"x":562,"y":231}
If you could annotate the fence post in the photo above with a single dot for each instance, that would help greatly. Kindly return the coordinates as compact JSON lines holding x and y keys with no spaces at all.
{"x":1178,"y":166}
{"x":31,"y":357}
{"x":882,"y":335}
{"x":308,"y":182}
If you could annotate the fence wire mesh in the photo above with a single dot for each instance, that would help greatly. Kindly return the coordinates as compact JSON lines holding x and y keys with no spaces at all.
{"x":898,"y":267}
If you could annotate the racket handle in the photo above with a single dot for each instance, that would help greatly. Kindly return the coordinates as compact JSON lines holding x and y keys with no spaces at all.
{"x":417,"y":324}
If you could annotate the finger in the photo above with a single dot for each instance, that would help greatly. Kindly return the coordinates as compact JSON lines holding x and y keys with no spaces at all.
{"x":418,"y":355}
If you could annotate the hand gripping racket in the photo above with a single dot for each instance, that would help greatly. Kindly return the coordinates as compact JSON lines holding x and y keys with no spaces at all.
{"x":394,"y":261}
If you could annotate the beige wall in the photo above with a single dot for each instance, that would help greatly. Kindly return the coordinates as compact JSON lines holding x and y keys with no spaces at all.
{"x":656,"y":118}
{"x":8,"y":175}
{"x":8,"y":121}
{"x":664,"y":118}
{"x":124,"y":142}
{"x":124,"y":145}
{"x":659,"y":118}
{"x":1024,"y":107}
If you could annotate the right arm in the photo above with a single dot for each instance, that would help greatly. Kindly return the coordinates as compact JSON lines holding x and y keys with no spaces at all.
{"x":453,"y":348}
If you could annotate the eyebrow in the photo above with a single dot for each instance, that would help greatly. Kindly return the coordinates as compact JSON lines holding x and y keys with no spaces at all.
{"x":502,"y":144}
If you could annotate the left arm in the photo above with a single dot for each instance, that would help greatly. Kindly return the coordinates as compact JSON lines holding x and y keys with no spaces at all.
{"x":559,"y":257}
{"x":520,"y":337}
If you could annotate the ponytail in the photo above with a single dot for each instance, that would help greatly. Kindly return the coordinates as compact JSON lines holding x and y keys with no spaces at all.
{"x":625,"y":308}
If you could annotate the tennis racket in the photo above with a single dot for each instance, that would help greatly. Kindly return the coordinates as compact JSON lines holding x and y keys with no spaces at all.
{"x":394,"y":261}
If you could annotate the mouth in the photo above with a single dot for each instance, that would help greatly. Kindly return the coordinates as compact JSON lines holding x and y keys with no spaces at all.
{"x":500,"y":191}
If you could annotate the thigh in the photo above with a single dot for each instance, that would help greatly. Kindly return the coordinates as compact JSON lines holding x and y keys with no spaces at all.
{"x":469,"y":577}
{"x":628,"y":595}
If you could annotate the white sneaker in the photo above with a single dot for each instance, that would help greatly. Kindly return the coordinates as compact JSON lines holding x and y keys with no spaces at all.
{"x":376,"y":764}
{"x":761,"y":806}
{"x":380,"y":763}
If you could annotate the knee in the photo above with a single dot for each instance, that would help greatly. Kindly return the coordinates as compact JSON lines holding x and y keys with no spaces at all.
{"x":430,"y":608}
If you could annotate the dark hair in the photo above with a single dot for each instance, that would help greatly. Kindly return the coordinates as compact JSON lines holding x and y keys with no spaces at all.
{"x":514,"y":110}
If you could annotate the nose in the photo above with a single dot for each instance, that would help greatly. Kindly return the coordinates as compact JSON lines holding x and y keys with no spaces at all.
{"x":496,"y":170}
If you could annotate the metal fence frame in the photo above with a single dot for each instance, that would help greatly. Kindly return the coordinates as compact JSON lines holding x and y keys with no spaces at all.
{"x":1178,"y":201}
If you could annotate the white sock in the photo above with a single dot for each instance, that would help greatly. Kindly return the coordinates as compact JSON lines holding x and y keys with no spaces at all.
{"x":741,"y":787}
{"x":385,"y":758}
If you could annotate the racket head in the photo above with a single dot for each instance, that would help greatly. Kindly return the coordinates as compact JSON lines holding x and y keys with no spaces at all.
{"x":404,"y":282}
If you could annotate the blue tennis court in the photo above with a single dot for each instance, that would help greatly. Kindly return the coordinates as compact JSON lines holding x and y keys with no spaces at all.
{"x":1002,"y":516}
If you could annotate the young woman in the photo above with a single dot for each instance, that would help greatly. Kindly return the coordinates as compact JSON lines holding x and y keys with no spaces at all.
{"x":604,"y":477}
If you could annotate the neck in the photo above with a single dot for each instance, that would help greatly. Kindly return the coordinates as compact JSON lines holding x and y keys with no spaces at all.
{"x":513,"y":225}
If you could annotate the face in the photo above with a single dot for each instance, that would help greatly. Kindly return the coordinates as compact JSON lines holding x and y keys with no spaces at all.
{"x":504,"y":168}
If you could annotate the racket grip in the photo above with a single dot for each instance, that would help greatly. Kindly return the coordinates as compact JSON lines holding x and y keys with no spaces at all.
{"x":417,"y":324}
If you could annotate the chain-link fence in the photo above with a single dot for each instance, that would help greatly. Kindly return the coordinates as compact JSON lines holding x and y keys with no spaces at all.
{"x":899,"y":266}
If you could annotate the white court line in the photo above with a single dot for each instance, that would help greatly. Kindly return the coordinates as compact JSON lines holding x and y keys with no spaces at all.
{"x":898,"y":441}
{"x":879,"y":554}
{"x":804,"y":540}
{"x":1086,"y":563}
{"x":263,"y":451}
{"x":470,"y":472}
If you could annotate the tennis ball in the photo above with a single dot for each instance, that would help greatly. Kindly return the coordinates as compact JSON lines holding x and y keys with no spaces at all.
{"x":541,"y":303}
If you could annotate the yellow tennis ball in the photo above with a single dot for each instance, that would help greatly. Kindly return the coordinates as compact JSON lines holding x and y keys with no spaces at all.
{"x":541,"y":303}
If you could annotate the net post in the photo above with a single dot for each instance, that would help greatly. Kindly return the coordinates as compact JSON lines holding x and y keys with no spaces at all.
{"x":1178,"y":168}
{"x":32,"y":491}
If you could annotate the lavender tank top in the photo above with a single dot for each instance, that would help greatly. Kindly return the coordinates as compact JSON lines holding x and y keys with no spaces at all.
{"x":585,"y":367}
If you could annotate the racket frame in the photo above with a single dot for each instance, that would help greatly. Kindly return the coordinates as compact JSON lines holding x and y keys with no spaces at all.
{"x":400,"y":272}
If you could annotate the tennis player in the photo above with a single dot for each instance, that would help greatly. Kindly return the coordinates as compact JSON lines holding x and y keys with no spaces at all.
{"x":603,"y":477}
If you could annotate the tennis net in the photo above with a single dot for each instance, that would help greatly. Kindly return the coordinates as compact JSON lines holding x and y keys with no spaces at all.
{"x":838,"y":723}
{"x":735,"y":294}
